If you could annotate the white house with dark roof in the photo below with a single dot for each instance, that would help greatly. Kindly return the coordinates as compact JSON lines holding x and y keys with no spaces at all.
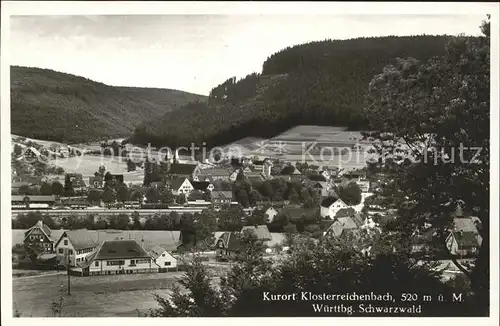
{"x":271,"y":213}
{"x":117,"y":257}
{"x":181,"y":186}
{"x":331,"y":205}
{"x":74,"y":246}
{"x":162,"y":258}
{"x":222,"y":197}
{"x":39,"y":238}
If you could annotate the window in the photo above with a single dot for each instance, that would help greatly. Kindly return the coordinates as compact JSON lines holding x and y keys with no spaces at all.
{"x":141,"y":261}
{"x":65,"y":242}
{"x":61,"y":250}
{"x":78,"y":259}
{"x":167,"y":263}
{"x":70,"y":252}
{"x":115,"y":262}
{"x":163,"y":255}
{"x":97,"y":264}
{"x":132,"y":262}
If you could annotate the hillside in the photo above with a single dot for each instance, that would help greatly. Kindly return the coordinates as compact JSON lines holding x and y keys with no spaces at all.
{"x":50,"y":105}
{"x":319,"y":83}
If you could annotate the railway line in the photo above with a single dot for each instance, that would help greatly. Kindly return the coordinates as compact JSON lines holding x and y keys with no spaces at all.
{"x":107,"y":211}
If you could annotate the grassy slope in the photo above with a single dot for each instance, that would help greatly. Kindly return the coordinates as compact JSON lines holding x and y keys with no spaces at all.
{"x":50,"y":105}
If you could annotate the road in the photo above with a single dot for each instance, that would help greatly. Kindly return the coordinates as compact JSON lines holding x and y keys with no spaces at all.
{"x":84,"y":212}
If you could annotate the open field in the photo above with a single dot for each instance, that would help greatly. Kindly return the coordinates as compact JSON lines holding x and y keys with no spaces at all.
{"x":97,"y":296}
{"x":87,"y":165}
{"x":311,"y":144}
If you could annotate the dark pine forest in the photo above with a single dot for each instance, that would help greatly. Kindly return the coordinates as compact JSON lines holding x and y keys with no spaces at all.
{"x":318,"y":83}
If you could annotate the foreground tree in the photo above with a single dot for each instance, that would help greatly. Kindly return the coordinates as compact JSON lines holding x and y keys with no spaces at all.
{"x":439,"y":112}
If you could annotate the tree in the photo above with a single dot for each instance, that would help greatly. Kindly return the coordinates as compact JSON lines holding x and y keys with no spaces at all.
{"x":293,"y":196}
{"x":167,"y":197}
{"x":206,"y":225}
{"x":46,"y":189}
{"x":242,"y":198}
{"x":136,"y":196}
{"x":339,"y":265}
{"x":57,"y":188}
{"x":68,"y":188}
{"x":131,"y":166}
{"x":181,"y":199}
{"x":350,"y":194}
{"x":108,"y":195}
{"x":94,"y":197}
{"x":257,"y":218}
{"x":440,"y":110}
{"x":123,"y":194}
{"x":119,"y":222}
{"x":136,"y":221}
{"x":25,"y":190}
{"x":153,"y":195}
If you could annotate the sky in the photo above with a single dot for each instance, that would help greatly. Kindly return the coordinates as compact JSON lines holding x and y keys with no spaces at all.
{"x":194,"y":53}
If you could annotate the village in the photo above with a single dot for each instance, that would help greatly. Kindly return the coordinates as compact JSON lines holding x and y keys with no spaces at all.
{"x":261,"y":194}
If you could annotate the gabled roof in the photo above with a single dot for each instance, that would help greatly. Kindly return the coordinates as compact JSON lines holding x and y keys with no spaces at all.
{"x":200,"y":185}
{"x":80,"y":239}
{"x":222,"y":194}
{"x":232,"y":241}
{"x":340,"y":225}
{"x":177,"y":182}
{"x":465,"y":224}
{"x":218,"y":171}
{"x":180,"y":168}
{"x":39,"y":225}
{"x":466,"y":239}
{"x":261,"y":231}
{"x":156,"y":251}
{"x":117,"y":249}
{"x":327,"y":202}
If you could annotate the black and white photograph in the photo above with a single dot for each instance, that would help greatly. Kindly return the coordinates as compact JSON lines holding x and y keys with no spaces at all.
{"x":250,"y":159}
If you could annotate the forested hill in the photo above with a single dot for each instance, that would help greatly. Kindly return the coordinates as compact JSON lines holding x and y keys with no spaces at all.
{"x":50,"y":105}
{"x":319,"y":83}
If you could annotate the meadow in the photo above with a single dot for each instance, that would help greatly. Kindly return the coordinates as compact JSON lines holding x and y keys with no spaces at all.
{"x":311,"y":144}
{"x":87,"y":165}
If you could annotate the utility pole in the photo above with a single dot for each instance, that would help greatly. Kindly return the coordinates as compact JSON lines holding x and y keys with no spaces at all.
{"x":69,"y":284}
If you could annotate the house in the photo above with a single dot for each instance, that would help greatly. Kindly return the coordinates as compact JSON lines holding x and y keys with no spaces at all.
{"x":260,"y":231}
{"x":341,"y":226}
{"x":364,"y":185}
{"x":113,"y":178}
{"x":76,"y":180}
{"x":228,"y":246}
{"x":38,"y":238}
{"x":222,"y":197}
{"x":263,"y":166}
{"x":464,"y":238}
{"x":117,"y":257}
{"x":32,"y":153}
{"x":219,"y":174}
{"x":325,"y":174}
{"x":270,"y":213}
{"x":331,"y":205}
{"x":190,"y":171}
{"x":463,"y":244}
{"x":324,"y":187}
{"x":162,"y":258}
{"x":73,"y":246}
{"x":202,"y":185}
{"x":355,"y":174}
{"x":96,"y":181}
{"x":181,"y":185}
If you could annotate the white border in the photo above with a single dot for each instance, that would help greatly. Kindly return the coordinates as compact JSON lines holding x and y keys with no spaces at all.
{"x":276,"y":8}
